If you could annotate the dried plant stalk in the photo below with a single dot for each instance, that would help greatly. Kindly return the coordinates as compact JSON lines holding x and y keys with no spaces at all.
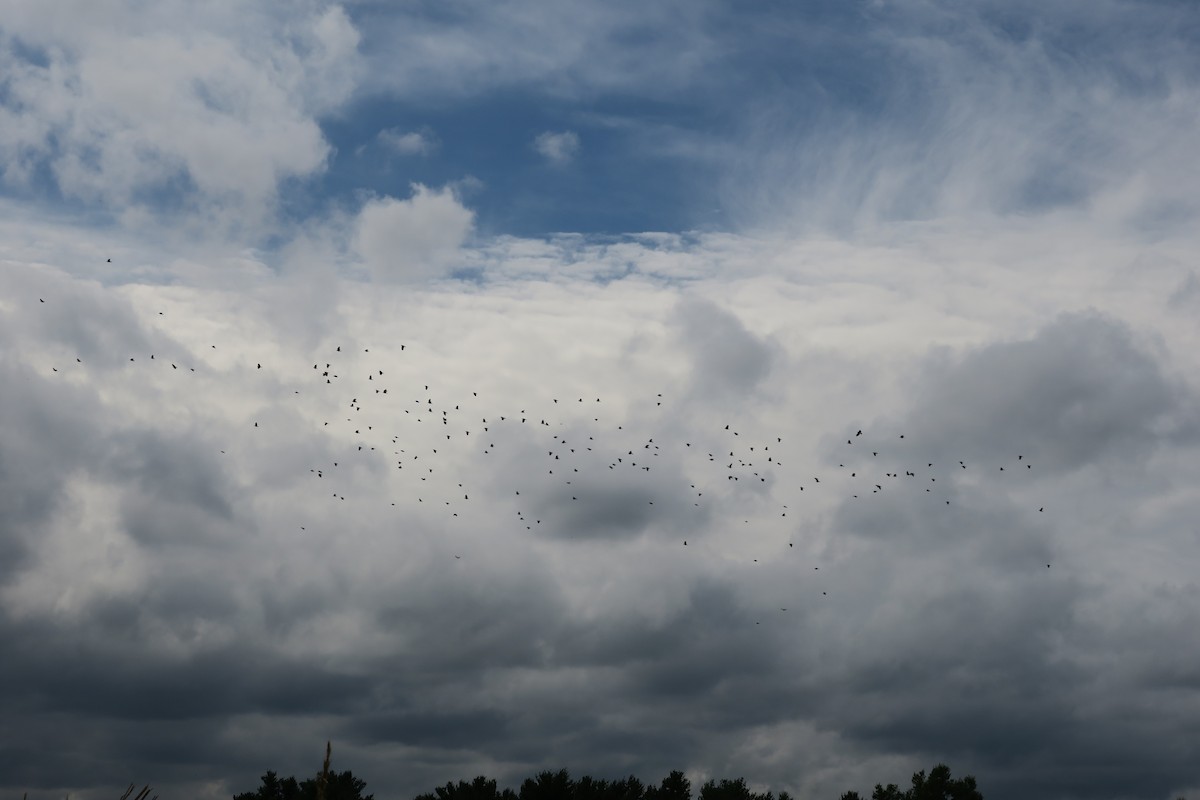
{"x":323,"y":781}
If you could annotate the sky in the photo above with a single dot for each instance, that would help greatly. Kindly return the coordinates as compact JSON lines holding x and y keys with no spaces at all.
{"x":800,"y":391}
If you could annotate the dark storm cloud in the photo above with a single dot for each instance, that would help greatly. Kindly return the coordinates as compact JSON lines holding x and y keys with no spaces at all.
{"x":133,"y":707}
{"x":992,"y":674}
{"x":44,"y":435}
{"x":475,"y":728}
{"x":989,"y":659}
{"x":601,"y":513}
{"x":684,"y":654}
{"x":592,"y":481}
{"x":113,"y":663}
{"x":106,"y":754}
{"x":611,"y":692}
{"x":447,"y":623}
{"x":904,"y":517}
{"x":622,"y":507}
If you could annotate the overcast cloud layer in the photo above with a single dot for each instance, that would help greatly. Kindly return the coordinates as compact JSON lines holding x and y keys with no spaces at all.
{"x":479,"y":386}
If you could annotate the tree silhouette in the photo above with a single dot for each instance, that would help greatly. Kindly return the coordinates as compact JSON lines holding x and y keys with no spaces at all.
{"x":548,"y":785}
{"x":675,"y":786}
{"x":938,"y":785}
{"x":482,"y":788}
{"x":732,"y":790}
{"x":589,"y":788}
{"x":273,"y":788}
{"x":340,"y":786}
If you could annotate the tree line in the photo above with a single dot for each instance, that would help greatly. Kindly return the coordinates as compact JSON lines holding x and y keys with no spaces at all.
{"x":938,"y":784}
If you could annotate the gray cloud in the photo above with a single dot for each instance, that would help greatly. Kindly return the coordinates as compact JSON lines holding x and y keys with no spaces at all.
{"x":191,"y":599}
{"x":727,"y":360}
{"x":1081,"y":390}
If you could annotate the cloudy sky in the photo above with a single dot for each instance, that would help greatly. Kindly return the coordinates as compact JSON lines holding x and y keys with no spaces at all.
{"x":365,"y":367}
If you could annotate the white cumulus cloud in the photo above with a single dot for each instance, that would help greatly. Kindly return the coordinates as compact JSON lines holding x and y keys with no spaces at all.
{"x":196,"y":106}
{"x":414,"y":239}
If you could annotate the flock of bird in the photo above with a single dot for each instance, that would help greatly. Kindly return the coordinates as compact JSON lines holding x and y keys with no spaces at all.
{"x":594,"y":467}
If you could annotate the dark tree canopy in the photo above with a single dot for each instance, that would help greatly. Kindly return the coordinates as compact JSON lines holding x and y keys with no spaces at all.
{"x":726,"y":789}
{"x":273,"y":788}
{"x":675,"y":786}
{"x":550,"y":785}
{"x":340,"y":786}
{"x":482,"y":788}
{"x":938,"y":785}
